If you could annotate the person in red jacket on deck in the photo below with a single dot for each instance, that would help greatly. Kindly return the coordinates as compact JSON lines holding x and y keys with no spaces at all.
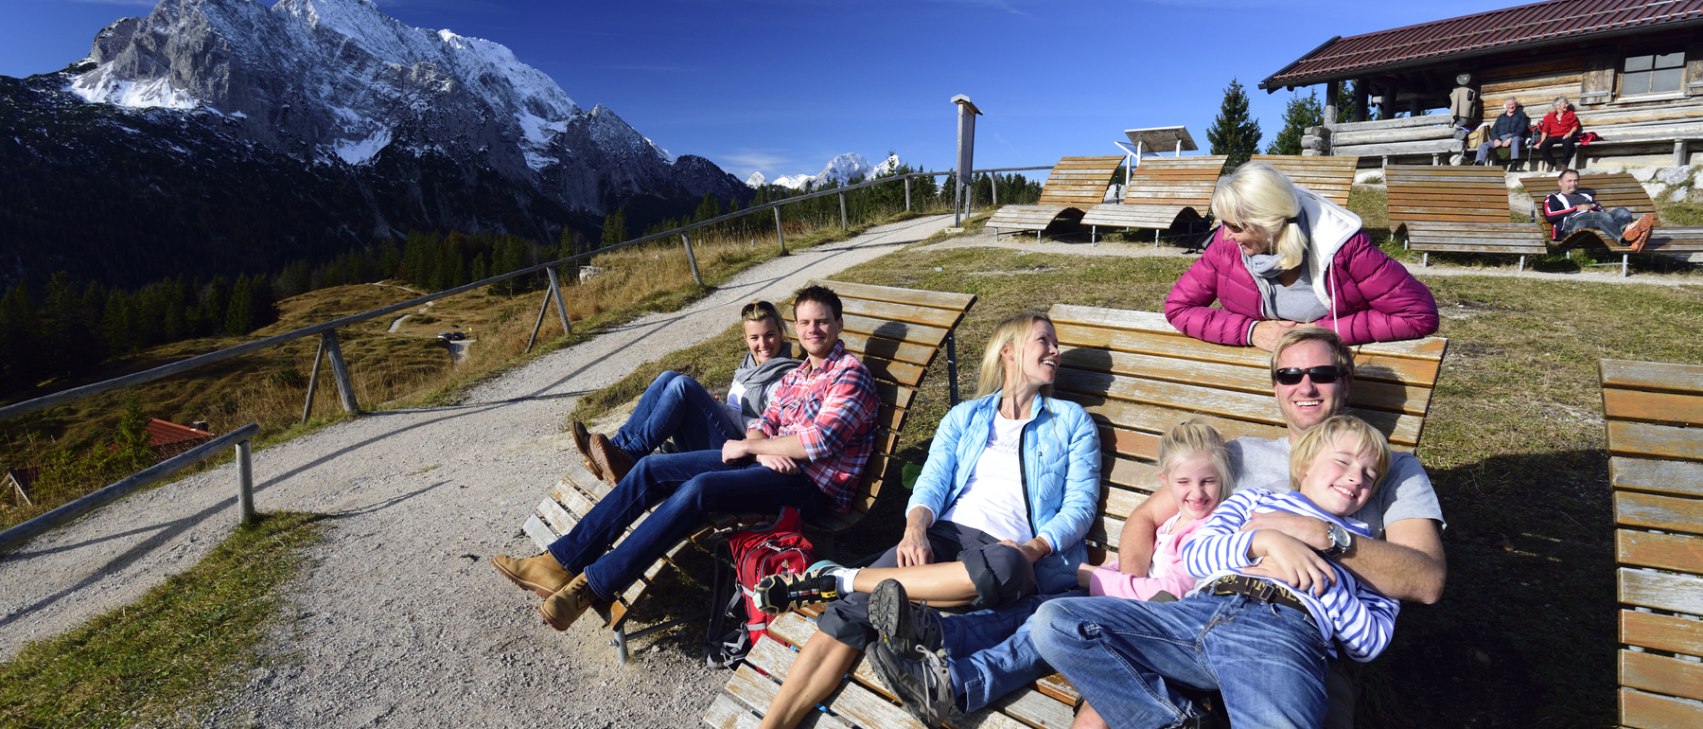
{"x":1559,"y":128}
{"x":1282,"y":257}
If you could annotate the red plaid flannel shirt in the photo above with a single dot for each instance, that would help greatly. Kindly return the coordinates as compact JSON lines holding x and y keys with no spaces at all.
{"x":832,"y":410}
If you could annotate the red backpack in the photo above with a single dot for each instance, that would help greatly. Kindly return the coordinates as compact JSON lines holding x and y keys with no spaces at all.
{"x":756,"y":553}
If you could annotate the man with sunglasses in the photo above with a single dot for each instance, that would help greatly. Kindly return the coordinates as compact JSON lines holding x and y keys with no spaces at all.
{"x":1311,"y":373}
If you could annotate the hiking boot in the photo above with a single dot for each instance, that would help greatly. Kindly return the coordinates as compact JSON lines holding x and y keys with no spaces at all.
{"x":906,"y":627}
{"x":1639,"y":231}
{"x":612,"y":462}
{"x":564,"y":606}
{"x":582,"y":439}
{"x":782,"y":592}
{"x":540,"y":573}
{"x":920,"y":680}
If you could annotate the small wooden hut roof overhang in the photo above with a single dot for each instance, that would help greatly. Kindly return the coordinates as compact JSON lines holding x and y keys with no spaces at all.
{"x":1428,"y":55}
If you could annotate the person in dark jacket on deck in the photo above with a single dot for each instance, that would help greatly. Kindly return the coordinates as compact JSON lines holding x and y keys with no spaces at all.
{"x":1509,"y":131}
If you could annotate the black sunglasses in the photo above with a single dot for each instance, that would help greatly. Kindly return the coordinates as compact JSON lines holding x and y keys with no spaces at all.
{"x":1322,"y":375}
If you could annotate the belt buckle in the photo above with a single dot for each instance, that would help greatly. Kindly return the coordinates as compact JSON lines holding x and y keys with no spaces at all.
{"x":1265,"y":592}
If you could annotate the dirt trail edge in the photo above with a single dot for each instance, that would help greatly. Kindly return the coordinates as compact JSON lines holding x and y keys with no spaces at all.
{"x":398,"y":619}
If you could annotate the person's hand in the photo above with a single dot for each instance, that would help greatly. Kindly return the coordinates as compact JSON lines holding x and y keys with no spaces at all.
{"x":734,"y":451}
{"x":913,"y":548}
{"x":1312,"y":532}
{"x":1287,"y":560}
{"x":779,"y":464}
{"x":1266,"y":333}
{"x":1028,"y":552}
{"x":1582,"y":208}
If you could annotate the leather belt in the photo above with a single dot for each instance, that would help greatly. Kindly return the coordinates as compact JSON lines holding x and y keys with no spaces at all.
{"x":1257,"y":590}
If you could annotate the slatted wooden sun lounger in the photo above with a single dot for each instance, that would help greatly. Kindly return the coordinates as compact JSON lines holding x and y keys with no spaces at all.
{"x":1653,"y":413}
{"x":1617,"y":190}
{"x":1457,"y":210}
{"x":1331,"y":177}
{"x":895,"y":332}
{"x":1138,"y":377}
{"x":1074,"y":185}
{"x":1164,"y":194}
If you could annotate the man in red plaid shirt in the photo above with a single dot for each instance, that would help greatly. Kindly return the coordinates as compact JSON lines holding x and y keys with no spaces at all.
{"x":807,"y":452}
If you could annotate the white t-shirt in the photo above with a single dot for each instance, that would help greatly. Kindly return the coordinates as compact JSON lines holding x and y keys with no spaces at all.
{"x":993,"y":499}
{"x":735,"y":404}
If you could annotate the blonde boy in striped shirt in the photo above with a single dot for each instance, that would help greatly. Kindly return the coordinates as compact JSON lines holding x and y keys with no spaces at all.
{"x":1260,"y":643}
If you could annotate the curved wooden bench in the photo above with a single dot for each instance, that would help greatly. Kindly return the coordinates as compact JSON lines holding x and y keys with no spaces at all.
{"x":1137,"y":376}
{"x":1616,"y":190}
{"x":1331,"y":177}
{"x":1074,"y":185}
{"x":1653,"y":414}
{"x":1457,"y":210}
{"x":895,"y":332}
{"x":1165,"y":194}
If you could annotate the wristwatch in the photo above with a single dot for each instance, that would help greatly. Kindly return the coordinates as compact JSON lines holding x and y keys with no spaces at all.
{"x":1340,"y":541}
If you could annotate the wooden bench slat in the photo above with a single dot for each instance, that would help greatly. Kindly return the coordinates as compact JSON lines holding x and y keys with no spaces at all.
{"x":1640,"y":709}
{"x":1660,"y":441}
{"x":1661,"y":674}
{"x":1661,"y":590}
{"x":1683,"y":478}
{"x":1661,"y":632}
{"x":1652,"y":376}
{"x":1652,"y":511}
{"x":1660,"y":407}
{"x":1676,"y":552}
{"x":892,"y":294}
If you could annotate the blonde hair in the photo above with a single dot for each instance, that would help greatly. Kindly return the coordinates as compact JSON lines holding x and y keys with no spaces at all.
{"x":1340,"y":355}
{"x":1013,"y":332}
{"x":1259,"y":197}
{"x":760,"y":310}
{"x":1193,"y":437}
{"x":1319,"y":436}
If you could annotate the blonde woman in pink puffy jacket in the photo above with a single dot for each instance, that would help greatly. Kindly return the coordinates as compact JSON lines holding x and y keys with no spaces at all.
{"x":1282,"y":257}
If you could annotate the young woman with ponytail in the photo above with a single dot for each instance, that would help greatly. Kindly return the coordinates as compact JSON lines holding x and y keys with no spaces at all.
{"x":1282,"y":257}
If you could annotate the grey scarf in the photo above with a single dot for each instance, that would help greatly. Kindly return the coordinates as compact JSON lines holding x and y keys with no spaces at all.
{"x":758,"y":377}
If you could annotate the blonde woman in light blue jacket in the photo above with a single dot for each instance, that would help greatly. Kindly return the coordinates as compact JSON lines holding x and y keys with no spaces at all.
{"x":998,"y":515}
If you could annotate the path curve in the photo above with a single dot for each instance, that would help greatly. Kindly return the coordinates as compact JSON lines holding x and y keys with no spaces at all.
{"x":397,"y":618}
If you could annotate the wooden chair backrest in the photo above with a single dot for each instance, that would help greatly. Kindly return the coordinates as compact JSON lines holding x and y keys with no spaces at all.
{"x":1331,"y":177}
{"x":896,"y":333}
{"x":1181,"y":182}
{"x":1611,"y":190}
{"x":1653,"y":413}
{"x":1138,"y":377}
{"x":1422,"y":193}
{"x":1079,"y":182}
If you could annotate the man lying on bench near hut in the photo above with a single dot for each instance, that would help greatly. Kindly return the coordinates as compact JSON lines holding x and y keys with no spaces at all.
{"x":807,"y":451}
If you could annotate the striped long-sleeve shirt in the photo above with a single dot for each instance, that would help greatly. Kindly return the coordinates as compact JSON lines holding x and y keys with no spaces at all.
{"x":1349,"y":612}
{"x":832,"y":410}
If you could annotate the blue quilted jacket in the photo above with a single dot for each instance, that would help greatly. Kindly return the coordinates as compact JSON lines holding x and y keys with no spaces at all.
{"x":1061,"y":475}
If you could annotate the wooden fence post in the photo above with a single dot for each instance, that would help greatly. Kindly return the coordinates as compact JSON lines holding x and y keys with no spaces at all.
{"x":245,"y":482}
{"x":780,"y":235}
{"x":313,"y":381}
{"x":556,"y":293}
{"x":843,"y":225}
{"x":907,"y":194}
{"x":692,"y":259}
{"x":340,"y":371}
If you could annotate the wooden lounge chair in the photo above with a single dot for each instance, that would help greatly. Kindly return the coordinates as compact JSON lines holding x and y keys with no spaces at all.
{"x":1653,"y":413}
{"x":896,"y":332}
{"x":1074,"y":185}
{"x":1457,"y":210}
{"x":1165,"y":194}
{"x":1331,"y":177}
{"x":1616,"y":190}
{"x":1138,"y":377}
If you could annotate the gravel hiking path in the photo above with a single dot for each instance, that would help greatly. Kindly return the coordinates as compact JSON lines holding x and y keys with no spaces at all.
{"x":398,"y":619}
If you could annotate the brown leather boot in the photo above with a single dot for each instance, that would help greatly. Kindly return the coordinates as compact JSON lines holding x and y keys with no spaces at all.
{"x":540,"y":573}
{"x":582,"y":439}
{"x":614,"y":462}
{"x":566,"y":605}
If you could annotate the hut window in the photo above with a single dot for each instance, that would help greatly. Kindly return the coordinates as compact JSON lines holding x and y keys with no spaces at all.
{"x":1652,"y":74}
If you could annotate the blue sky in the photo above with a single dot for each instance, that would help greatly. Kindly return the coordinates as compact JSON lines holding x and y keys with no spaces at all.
{"x":781,"y":86}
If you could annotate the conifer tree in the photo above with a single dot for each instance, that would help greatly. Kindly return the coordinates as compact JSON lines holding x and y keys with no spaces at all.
{"x":1234,"y":132}
{"x":239,"y":315}
{"x":614,"y":228}
{"x":1300,"y":113}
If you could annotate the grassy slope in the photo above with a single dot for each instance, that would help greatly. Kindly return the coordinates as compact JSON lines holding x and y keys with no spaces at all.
{"x":1526,"y":633}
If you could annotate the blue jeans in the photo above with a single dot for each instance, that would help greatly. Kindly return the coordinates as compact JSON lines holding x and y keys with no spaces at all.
{"x":1126,"y":657}
{"x":1612,"y":222}
{"x":990,"y":653}
{"x":676,"y":406}
{"x":1515,"y":141}
{"x":685,"y":488}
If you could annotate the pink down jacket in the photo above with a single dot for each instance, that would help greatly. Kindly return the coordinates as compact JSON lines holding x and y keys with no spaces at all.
{"x":1374,"y":298}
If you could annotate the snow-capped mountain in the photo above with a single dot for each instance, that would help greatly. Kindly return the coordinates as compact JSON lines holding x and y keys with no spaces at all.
{"x":839,"y":171}
{"x":756,"y":180}
{"x":456,"y":131}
